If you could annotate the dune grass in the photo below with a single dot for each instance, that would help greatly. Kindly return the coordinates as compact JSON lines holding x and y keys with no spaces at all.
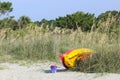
{"x":39,"y":44}
{"x":100,"y":63}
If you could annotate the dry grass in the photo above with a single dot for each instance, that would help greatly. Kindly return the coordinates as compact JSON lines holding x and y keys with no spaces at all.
{"x":36,"y":43}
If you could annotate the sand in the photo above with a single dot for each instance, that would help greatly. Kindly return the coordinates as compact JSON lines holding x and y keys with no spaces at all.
{"x":41,"y":71}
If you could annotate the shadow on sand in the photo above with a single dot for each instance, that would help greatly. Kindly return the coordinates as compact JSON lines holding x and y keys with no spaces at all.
{"x":58,"y":70}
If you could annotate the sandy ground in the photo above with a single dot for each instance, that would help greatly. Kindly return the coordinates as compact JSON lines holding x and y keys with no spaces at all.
{"x":41,"y":71}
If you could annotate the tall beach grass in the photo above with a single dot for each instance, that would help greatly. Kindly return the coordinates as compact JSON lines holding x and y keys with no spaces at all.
{"x":38,"y":44}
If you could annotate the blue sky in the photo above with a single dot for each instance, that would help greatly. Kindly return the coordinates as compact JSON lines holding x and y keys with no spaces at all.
{"x":51,"y":9}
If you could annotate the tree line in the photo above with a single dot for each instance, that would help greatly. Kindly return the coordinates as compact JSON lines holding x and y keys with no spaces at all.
{"x":107,"y":21}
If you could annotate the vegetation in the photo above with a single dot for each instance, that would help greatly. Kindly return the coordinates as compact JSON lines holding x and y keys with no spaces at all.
{"x":5,"y":7}
{"x":45,"y":39}
{"x":35,"y":44}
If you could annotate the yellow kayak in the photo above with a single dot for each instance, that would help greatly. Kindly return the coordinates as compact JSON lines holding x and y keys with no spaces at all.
{"x":70,"y":57}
